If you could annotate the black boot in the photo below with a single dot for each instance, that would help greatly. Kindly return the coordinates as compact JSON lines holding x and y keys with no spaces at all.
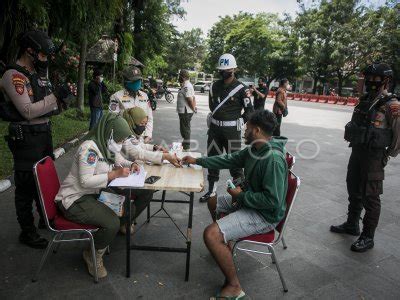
{"x":33,"y":240}
{"x":206,"y":196}
{"x":346,"y":227}
{"x":363,"y":244}
{"x":210,"y":193}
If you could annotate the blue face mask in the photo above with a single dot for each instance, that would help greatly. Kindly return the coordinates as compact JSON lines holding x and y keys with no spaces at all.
{"x":133,"y":86}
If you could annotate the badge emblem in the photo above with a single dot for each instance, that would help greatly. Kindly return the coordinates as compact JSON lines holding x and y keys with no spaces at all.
{"x":18,"y":81}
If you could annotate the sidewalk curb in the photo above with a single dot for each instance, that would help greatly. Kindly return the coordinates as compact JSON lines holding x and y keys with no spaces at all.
{"x":5,"y":184}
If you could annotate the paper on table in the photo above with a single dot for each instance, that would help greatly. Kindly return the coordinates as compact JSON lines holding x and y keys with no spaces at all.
{"x":133,"y":180}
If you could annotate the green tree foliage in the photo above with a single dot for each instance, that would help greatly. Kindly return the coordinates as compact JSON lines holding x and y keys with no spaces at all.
{"x":186,"y":50}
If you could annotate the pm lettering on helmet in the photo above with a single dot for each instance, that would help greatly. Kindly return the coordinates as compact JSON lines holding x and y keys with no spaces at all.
{"x":224,"y":62}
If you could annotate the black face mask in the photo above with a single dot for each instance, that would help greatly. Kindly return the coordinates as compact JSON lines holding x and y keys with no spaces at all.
{"x":372,"y":86}
{"x":225,"y":74}
{"x":181,"y":80}
{"x":139,"y":129}
{"x":40,"y":66}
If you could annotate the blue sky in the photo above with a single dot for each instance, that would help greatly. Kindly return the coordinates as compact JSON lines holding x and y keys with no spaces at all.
{"x":204,"y":13}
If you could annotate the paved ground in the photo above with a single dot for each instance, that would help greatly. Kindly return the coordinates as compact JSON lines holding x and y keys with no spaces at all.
{"x":317,"y":263}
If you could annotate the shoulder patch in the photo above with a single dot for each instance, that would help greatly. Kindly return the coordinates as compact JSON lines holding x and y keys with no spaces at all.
{"x":248,"y":92}
{"x":90,"y":157}
{"x":18,"y":80}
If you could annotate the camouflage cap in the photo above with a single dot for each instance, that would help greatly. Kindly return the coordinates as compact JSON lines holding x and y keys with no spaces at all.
{"x":132,"y":73}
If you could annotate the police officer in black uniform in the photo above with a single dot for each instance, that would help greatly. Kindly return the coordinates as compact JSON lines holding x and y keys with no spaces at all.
{"x":28,"y":99}
{"x":227,"y":98}
{"x":374,"y":135}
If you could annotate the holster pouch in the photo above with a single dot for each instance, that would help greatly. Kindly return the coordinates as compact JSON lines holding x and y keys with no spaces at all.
{"x":379,"y":137}
{"x":355,"y":134}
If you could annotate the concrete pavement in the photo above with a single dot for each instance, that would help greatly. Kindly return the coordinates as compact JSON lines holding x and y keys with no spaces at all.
{"x":317,"y":263}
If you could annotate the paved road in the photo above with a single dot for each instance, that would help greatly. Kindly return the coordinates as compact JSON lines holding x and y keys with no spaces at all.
{"x":317,"y":263}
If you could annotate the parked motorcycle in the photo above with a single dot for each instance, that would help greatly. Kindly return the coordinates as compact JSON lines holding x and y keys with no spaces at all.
{"x":164,"y":91}
{"x":151,"y":95}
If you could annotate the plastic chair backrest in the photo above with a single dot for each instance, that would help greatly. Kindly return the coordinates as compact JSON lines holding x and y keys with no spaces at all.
{"x":48,"y":185}
{"x":293,"y":186}
{"x":290,"y":160}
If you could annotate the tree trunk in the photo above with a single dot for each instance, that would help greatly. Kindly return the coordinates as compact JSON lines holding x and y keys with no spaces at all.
{"x":81,"y":71}
{"x":314,"y":89}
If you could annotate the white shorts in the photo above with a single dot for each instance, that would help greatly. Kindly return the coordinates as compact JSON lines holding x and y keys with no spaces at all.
{"x":239,"y":222}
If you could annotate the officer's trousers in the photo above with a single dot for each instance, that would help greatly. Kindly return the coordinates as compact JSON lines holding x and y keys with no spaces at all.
{"x":184,"y":127}
{"x":222,"y":139}
{"x":365,"y":175}
{"x":28,"y":145}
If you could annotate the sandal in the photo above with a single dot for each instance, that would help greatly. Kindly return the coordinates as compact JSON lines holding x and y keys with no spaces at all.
{"x":238,"y":297}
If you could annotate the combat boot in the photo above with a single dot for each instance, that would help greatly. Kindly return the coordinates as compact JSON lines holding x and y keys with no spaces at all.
{"x":206,"y":196}
{"x":87,"y":257}
{"x":33,"y":239}
{"x":363,"y":244}
{"x":346,"y":227}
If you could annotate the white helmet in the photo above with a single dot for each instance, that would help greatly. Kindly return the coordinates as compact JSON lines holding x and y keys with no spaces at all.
{"x":226,"y":61}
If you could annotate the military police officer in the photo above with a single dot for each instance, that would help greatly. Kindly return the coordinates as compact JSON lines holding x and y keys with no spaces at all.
{"x":132,"y":96}
{"x":227,"y":98}
{"x":27,"y":102}
{"x":374,"y":136}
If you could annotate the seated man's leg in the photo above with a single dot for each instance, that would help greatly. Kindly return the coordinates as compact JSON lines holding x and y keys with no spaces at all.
{"x":214,"y":240}
{"x":238,"y":224}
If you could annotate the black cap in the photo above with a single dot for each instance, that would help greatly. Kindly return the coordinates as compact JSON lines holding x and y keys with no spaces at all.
{"x":378,"y":69}
{"x":97,"y":72}
{"x":132,"y":73}
{"x":38,"y":41}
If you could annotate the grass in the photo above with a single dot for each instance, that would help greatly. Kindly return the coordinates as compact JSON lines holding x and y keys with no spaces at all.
{"x":66,"y":126}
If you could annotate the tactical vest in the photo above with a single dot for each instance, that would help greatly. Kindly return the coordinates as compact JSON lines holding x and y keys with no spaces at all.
{"x":361,"y":129}
{"x":40,"y":88}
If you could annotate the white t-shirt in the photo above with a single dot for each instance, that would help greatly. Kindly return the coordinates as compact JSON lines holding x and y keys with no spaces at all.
{"x":184,"y":92}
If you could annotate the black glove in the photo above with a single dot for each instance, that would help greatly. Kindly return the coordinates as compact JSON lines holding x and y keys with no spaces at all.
{"x":64,"y":94}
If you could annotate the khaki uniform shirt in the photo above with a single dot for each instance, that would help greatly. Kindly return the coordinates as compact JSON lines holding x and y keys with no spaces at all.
{"x":18,"y":90}
{"x":88,"y":174}
{"x":121,"y":100}
{"x":135,"y":149}
{"x":280,"y":100}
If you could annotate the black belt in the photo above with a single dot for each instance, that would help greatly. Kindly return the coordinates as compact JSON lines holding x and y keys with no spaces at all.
{"x":45,"y":127}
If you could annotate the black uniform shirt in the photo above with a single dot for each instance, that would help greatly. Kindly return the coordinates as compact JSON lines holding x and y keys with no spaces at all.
{"x":262,"y":90}
{"x":231,"y":110}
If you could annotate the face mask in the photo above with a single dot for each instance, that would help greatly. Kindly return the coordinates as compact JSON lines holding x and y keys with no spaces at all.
{"x":139,"y":129}
{"x":181,"y":80}
{"x":101,"y":78}
{"x":113,"y":146}
{"x":133,"y":86}
{"x":40,"y":66}
{"x":372,"y":86}
{"x":225,"y":74}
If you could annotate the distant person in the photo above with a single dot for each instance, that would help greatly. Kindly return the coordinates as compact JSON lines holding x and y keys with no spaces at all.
{"x":280,"y":106}
{"x":186,"y":107}
{"x":260,"y":94}
{"x":96,"y":89}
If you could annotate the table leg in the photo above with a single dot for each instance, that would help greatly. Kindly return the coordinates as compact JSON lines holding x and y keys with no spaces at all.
{"x":189,"y":236}
{"x":128,"y":232}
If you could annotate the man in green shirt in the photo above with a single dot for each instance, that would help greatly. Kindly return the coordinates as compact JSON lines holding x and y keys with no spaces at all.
{"x":255,"y":208}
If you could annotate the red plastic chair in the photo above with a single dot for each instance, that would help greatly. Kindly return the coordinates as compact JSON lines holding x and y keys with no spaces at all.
{"x":48,"y":184}
{"x":268,"y":239}
{"x":290,"y":160}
